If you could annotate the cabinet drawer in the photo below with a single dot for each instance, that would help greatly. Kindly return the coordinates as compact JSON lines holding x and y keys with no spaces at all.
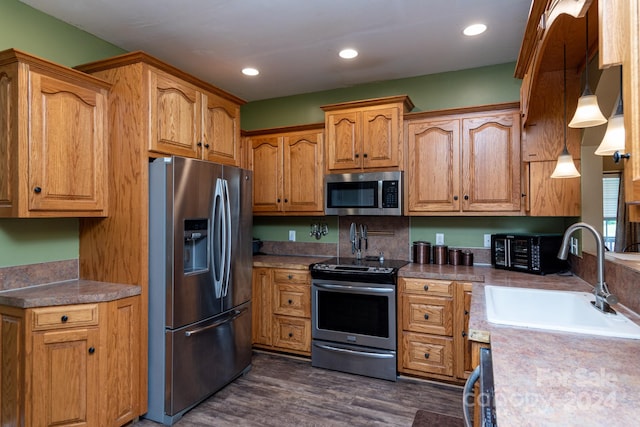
{"x":292,"y":333}
{"x":427,"y":287}
{"x":65,"y":316}
{"x":427,"y":353}
{"x":432,"y":315}
{"x":292,"y":300}
{"x":291,"y":276}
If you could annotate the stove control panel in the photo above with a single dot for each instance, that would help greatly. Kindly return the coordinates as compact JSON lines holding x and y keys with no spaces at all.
{"x":352,"y":268}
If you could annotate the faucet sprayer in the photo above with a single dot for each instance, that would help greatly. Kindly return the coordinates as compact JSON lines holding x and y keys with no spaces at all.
{"x":603,"y":297}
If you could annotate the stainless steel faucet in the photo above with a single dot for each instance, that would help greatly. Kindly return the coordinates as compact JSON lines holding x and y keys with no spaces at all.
{"x":603,"y":297}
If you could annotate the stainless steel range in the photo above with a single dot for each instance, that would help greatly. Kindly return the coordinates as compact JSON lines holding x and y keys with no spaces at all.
{"x":354,"y":316}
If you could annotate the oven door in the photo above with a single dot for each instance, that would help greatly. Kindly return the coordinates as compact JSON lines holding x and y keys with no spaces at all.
{"x":355,"y":313}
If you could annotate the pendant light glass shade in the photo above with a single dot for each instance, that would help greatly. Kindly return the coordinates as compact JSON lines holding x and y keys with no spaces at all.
{"x":588,"y":113}
{"x":614,"y":137}
{"x":565,"y":168}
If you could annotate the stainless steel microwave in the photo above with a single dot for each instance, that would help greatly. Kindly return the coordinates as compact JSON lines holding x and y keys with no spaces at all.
{"x":367,"y":193}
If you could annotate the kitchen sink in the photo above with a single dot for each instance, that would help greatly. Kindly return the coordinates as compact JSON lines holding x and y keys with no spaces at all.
{"x":555,"y":310}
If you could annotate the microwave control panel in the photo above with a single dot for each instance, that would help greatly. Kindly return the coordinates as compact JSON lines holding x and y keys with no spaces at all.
{"x":390,"y":194}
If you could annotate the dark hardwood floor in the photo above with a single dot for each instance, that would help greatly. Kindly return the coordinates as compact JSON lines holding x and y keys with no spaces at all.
{"x":286,"y":391}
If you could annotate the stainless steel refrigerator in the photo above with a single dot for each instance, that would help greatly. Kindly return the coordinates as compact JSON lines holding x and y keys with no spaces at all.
{"x":200,"y":221}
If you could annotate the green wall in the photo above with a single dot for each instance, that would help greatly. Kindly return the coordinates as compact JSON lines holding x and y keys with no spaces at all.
{"x":477,"y":86}
{"x":29,"y":241}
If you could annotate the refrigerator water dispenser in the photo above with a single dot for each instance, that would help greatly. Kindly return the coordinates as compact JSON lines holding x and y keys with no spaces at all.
{"x":196,"y":245}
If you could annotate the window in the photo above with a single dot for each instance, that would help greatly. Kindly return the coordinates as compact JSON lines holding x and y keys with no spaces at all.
{"x":610,"y":186}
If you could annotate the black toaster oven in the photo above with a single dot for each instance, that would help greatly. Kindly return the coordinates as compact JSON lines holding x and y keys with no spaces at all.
{"x":529,"y":253}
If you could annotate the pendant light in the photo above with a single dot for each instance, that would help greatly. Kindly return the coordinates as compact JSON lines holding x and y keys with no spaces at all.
{"x":614,"y":137}
{"x":565,"y":168}
{"x":588,"y":113}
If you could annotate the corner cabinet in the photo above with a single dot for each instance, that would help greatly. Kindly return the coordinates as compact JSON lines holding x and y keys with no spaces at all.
{"x":365,"y":134}
{"x":53,"y":140}
{"x":282,"y":310}
{"x":287,"y":171}
{"x":432,"y":329}
{"x":70,"y":365}
{"x":464,"y":162}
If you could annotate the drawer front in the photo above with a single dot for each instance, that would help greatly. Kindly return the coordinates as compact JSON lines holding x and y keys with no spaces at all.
{"x":292,"y":333}
{"x":426,"y":353}
{"x":65,"y":316}
{"x":431,"y":315}
{"x":291,"y":276}
{"x":292,"y":300}
{"x":427,"y":287}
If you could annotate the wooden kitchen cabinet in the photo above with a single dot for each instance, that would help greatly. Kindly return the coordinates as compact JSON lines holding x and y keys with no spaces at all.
{"x":365,"y":134}
{"x":432,"y":341}
{"x":287,"y":171}
{"x":191,"y":121}
{"x":53,"y":139}
{"x":282,"y":310}
{"x":464,"y":163}
{"x":70,"y":365}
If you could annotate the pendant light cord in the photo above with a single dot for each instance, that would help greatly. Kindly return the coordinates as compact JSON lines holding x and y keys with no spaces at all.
{"x":564,"y":90}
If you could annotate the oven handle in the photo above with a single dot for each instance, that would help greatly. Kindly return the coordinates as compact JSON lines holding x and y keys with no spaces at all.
{"x":358,"y":288}
{"x":360,"y":353}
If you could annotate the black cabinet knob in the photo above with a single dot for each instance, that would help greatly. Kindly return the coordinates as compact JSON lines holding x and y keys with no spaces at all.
{"x":37,"y":190}
{"x":199,"y":144}
{"x":466,"y":312}
{"x":278,"y":200}
{"x":290,"y":302}
{"x":92,"y":350}
{"x":466,"y":197}
{"x":426,"y":287}
{"x":357,"y":155}
{"x":455,"y":197}
{"x":426,"y":355}
{"x":286,"y":200}
{"x":64,"y":318}
{"x":364,"y":155}
{"x":426,"y":316}
{"x":290,"y":334}
{"x":464,"y":334}
{"x":206,"y":145}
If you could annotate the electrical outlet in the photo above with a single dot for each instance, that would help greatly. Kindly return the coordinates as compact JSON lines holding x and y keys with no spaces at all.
{"x":487,"y":240}
{"x":439,"y":238}
{"x":292,"y":235}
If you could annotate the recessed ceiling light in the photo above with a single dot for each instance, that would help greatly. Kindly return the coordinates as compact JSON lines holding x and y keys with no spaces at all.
{"x":475,"y":29}
{"x":250,"y":71}
{"x":348,"y":53}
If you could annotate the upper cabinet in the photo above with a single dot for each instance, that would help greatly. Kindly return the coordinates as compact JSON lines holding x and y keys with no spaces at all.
{"x":187,"y":117}
{"x":53,"y":139}
{"x":365,"y":134}
{"x":287,"y":171}
{"x":466,"y":163}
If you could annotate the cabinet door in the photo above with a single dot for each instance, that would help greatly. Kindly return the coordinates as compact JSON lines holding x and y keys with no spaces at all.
{"x":303,"y":173}
{"x":491,"y":163}
{"x":67,"y":146}
{"x":344,"y":149}
{"x":381,"y":136}
{"x":175,"y":116}
{"x":12,"y":356}
{"x":292,"y":333}
{"x":261,"y":307}
{"x":431,"y":315}
{"x":123,"y":365}
{"x":552,"y":197}
{"x":266,"y":162}
{"x":434,"y":166}
{"x":8,"y":139}
{"x":221,"y":130}
{"x":427,"y":353}
{"x":292,"y":300}
{"x":65,"y":378}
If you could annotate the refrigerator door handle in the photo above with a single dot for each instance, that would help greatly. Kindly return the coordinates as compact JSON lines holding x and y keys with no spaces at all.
{"x":233,"y":316}
{"x":217,"y":239}
{"x":226,"y":247}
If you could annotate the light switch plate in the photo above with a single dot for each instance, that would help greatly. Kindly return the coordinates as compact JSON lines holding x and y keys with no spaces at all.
{"x":292,"y":235}
{"x":487,"y":240}
{"x":439,"y":238}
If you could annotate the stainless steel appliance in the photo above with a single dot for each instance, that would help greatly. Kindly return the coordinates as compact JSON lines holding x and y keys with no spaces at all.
{"x":199,"y":282}
{"x":353,"y":320}
{"x":485,"y":400}
{"x":529,"y":253}
{"x":369,"y":193}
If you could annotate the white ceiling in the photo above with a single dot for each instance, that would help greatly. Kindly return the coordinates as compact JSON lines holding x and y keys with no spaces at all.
{"x":294,"y":43}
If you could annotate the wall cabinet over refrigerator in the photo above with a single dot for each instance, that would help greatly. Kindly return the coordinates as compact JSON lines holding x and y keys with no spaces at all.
{"x":288,"y":171}
{"x":365,"y":134}
{"x":464,"y":163}
{"x":53,"y":139}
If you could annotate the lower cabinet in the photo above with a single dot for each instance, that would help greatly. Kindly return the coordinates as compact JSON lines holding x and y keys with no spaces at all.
{"x":282,"y":310}
{"x":432,"y":325}
{"x":70,"y":365}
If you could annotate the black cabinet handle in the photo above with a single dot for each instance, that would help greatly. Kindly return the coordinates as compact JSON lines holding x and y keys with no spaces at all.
{"x":278,"y":200}
{"x":466,"y":197}
{"x":290,"y":302}
{"x":426,"y":287}
{"x":206,"y":145}
{"x":64,"y":318}
{"x":455,"y":197}
{"x":426,"y":355}
{"x":199,"y":144}
{"x":466,"y":312}
{"x":364,"y":155}
{"x":92,"y":350}
{"x":37,"y":190}
{"x":286,"y":200}
{"x":426,"y":316}
{"x":290,"y":277}
{"x":357,"y":155}
{"x":290,"y":334}
{"x":464,"y":334}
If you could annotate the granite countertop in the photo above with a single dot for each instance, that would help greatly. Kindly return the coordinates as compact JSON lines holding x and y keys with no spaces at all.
{"x":67,"y":292}
{"x":554,"y":378}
